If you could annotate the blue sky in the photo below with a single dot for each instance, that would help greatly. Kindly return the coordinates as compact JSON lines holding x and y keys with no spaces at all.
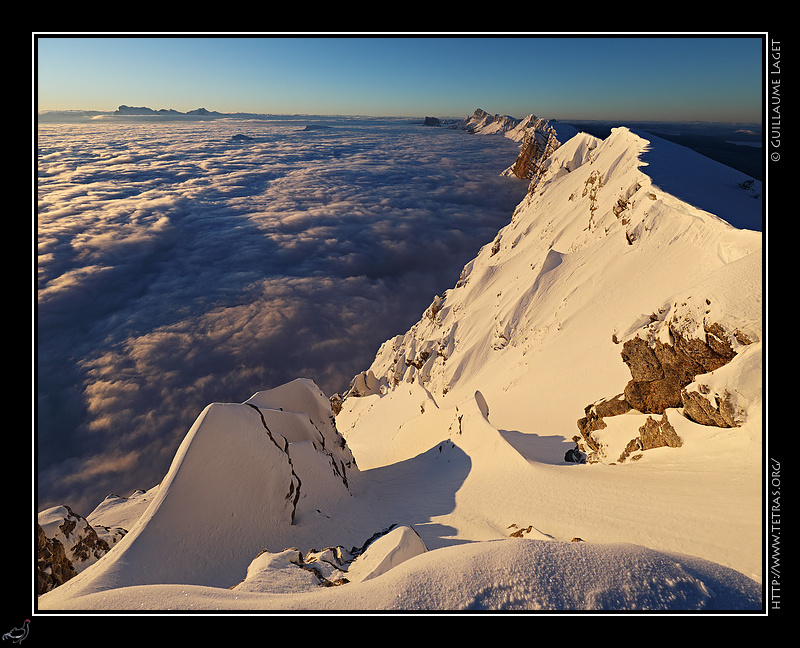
{"x":715,"y":78}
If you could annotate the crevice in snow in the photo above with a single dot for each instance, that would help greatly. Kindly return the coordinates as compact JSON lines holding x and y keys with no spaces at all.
{"x":295,"y":483}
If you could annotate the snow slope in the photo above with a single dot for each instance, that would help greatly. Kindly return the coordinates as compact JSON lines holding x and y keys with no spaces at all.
{"x":461,"y":499}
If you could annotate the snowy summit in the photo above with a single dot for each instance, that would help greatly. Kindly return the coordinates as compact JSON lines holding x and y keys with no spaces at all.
{"x":575,"y":425}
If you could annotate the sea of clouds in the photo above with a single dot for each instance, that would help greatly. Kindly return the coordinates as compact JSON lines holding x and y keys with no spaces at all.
{"x":179,"y":266}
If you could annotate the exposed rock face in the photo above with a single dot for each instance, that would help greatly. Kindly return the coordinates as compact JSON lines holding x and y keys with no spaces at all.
{"x":653,"y":434}
{"x":593,"y":420}
{"x":538,"y":144}
{"x":657,"y":434}
{"x":66,"y":544}
{"x":52,"y":565}
{"x":659,"y":372}
{"x":701,"y":410}
{"x":336,"y":403}
{"x":431,"y":121}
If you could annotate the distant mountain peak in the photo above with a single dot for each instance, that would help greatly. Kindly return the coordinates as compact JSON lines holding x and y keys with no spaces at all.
{"x":124,"y":110}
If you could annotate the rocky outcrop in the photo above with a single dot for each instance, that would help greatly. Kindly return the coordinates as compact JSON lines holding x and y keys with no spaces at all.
{"x":65,"y":545}
{"x":653,"y":434}
{"x":698,"y":408}
{"x":662,"y":377}
{"x":431,"y":121}
{"x":52,"y":565}
{"x":336,"y":403}
{"x":659,"y":371}
{"x":658,"y":434}
{"x":538,"y":143}
{"x":593,"y":421}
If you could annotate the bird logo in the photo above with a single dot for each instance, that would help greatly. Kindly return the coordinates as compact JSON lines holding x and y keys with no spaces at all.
{"x":18,"y":634}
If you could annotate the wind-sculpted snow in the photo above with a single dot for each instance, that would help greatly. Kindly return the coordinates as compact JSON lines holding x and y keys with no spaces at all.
{"x":187,"y":554}
{"x":504,"y":575}
{"x":242,"y":475}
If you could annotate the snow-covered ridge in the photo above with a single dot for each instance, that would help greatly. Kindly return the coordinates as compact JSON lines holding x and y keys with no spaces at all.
{"x":461,"y":424}
{"x":483,"y":123}
{"x":592,"y":211}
